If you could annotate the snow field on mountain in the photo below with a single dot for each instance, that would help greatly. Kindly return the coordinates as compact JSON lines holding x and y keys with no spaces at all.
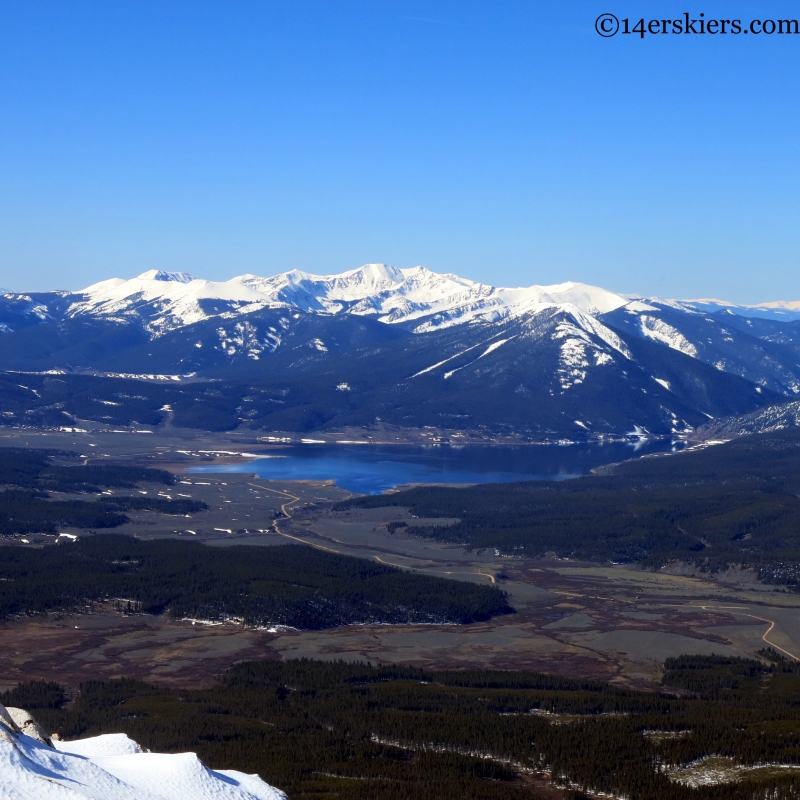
{"x":389,"y":294}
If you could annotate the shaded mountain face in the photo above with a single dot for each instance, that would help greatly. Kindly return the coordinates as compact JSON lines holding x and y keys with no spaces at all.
{"x":378,"y":346}
{"x":763,"y":420}
{"x":19,"y":311}
{"x":550,"y":373}
{"x":556,"y":373}
{"x":766,"y":352}
{"x":222,"y":341}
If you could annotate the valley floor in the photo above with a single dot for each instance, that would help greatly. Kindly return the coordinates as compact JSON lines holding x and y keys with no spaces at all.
{"x":578,"y":619}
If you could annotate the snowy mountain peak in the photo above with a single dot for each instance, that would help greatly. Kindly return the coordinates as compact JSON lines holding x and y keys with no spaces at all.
{"x":783,"y":310}
{"x":160,"y":275}
{"x":374,"y":276}
{"x":417,"y":297}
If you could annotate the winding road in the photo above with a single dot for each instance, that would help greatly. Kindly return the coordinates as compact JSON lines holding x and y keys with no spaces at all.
{"x":287,"y":515}
{"x":766,"y":633}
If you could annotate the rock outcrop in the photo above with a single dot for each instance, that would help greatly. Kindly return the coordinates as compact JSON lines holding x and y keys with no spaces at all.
{"x":28,"y":725}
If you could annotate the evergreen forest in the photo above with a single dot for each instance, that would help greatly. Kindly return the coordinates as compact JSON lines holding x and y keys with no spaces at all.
{"x":733,"y":503}
{"x":359,"y":732}
{"x":291,"y":585}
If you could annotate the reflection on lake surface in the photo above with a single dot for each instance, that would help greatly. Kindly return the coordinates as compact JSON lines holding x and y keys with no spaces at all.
{"x":371,"y":469}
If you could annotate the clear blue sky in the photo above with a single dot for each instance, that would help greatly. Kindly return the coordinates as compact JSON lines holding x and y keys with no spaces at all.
{"x":503,"y":141}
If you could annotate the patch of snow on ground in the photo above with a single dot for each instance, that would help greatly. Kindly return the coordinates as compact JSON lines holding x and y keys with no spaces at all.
{"x":440,"y":363}
{"x":577,"y":345}
{"x":493,"y":347}
{"x":244,"y":337}
{"x":654,"y":328}
{"x":715,"y":770}
{"x":574,"y":362}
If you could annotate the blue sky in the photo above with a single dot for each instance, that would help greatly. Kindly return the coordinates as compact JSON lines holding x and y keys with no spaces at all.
{"x":503,"y":141}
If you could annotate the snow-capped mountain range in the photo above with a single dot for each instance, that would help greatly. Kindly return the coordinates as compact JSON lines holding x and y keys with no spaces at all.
{"x":418,"y":298}
{"x":564,"y":357}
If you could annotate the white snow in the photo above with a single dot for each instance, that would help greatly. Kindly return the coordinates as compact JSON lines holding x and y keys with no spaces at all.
{"x":777,"y":309}
{"x":439,"y":363}
{"x":715,"y":770}
{"x":113,"y":767}
{"x":579,"y":351}
{"x":492,"y":347}
{"x":574,"y":361}
{"x":657,"y":329}
{"x":108,"y":744}
{"x":166,"y":300}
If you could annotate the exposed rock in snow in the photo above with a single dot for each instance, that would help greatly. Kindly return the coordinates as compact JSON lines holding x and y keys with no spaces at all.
{"x":158,"y":275}
{"x":110,"y":767}
{"x":657,"y":329}
{"x":28,"y":725}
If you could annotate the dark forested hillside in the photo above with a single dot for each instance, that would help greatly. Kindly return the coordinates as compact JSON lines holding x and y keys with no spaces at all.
{"x":357,"y":732}
{"x":36,"y":469}
{"x":289,"y":585}
{"x":738,"y":502}
{"x":512,"y":377}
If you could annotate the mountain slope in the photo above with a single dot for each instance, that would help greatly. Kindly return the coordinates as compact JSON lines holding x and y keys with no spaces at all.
{"x":559,"y":373}
{"x":724,"y":341}
{"x":379,"y":345}
{"x":552,"y":372}
{"x":763,"y":420}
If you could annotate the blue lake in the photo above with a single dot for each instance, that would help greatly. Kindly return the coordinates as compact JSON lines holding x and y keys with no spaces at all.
{"x":372,"y":469}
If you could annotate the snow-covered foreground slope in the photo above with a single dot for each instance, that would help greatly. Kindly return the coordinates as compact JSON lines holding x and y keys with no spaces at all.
{"x":112,"y":767}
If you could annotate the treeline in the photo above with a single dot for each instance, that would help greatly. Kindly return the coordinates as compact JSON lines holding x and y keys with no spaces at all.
{"x":358,"y":732}
{"x":34,"y":469}
{"x":290,"y":585}
{"x":732,"y":503}
{"x":53,"y":401}
{"x":27,"y":477}
{"x":725,"y":677}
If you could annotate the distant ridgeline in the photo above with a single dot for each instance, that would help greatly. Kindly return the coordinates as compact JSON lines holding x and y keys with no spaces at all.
{"x":290,"y":585}
{"x":357,"y":732}
{"x":26,"y":477}
{"x":734,"y":503}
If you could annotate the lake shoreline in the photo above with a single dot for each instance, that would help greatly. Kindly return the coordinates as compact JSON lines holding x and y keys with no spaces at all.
{"x":380,"y":468}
